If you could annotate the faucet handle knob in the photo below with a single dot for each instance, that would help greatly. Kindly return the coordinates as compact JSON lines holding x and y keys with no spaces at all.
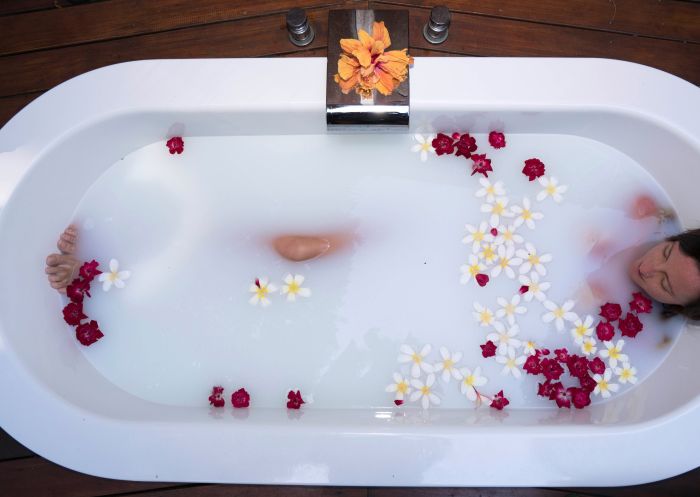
{"x":436,"y":29}
{"x":301,"y":33}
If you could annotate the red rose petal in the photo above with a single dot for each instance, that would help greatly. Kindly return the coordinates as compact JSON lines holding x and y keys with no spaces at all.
{"x":88,"y":333}
{"x":497,"y":140}
{"x":532,"y":365}
{"x":89,"y":271}
{"x":499,"y":401}
{"x":240,"y":398}
{"x":587,"y":383}
{"x":488,"y":349}
{"x":579,"y":397}
{"x":560,"y":395}
{"x":294,"y":400}
{"x":443,"y":144}
{"x":175,"y":145}
{"x":578,"y":366}
{"x":216,"y":398}
{"x":610,"y":311}
{"x":455,"y":136}
{"x":640,"y":303}
{"x":630,"y":326}
{"x":73,"y":313}
{"x":597,"y":365}
{"x":482,"y":279}
{"x":494,"y":232}
{"x":562,"y":355}
{"x":465,"y":146}
{"x":398,"y":402}
{"x":551,"y":369}
{"x":605,"y":331}
{"x":534,"y":168}
{"x":523,"y":289}
{"x":481,"y":165}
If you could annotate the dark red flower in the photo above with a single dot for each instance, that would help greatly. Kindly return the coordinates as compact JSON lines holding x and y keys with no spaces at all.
{"x":89,"y":270}
{"x":494,"y":232}
{"x":579,"y":397}
{"x":240,"y":398}
{"x":605,"y":331}
{"x":551,"y":369}
{"x":524,"y":289}
{"x":443,"y":144}
{"x":77,"y":290}
{"x":499,"y":401}
{"x":587,"y":383}
{"x":534,"y":168}
{"x":578,"y":366}
{"x":455,"y":136}
{"x":532,"y":365}
{"x":73,"y":313}
{"x":216,"y":398}
{"x":544,"y":389}
{"x":398,"y":402}
{"x":562,"y":355}
{"x":597,"y":365}
{"x":611,"y":312}
{"x":488,"y":349}
{"x":481,"y":165}
{"x":482,"y":279}
{"x":465,"y":146}
{"x":559,"y":394}
{"x":630,"y":325}
{"x":175,"y":145}
{"x":541,"y":352}
{"x":294,"y":400}
{"x":640,"y":303}
{"x":88,"y":333}
{"x":497,"y":140}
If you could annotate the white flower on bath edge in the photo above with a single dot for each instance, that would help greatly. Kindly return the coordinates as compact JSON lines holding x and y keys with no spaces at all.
{"x":292,"y":287}
{"x":552,"y":188}
{"x":483,"y":315}
{"x":423,"y":146}
{"x":582,"y":329}
{"x":534,"y":287}
{"x":477,"y":235}
{"x":401,"y":386}
{"x":559,"y":313}
{"x":510,"y":309}
{"x":489,"y":190}
{"x":614,"y":353}
{"x":505,"y":261}
{"x":504,"y":339}
{"x":469,"y":271}
{"x":525,"y":215}
{"x":507,"y":236}
{"x":417,"y":358}
{"x":511,"y":364}
{"x":260,"y":291}
{"x":471,"y":380}
{"x":626,"y":373}
{"x":531,"y":260}
{"x":604,"y":387}
{"x":424,"y":391}
{"x":114,"y":277}
{"x":447,"y":365}
{"x":497,"y":209}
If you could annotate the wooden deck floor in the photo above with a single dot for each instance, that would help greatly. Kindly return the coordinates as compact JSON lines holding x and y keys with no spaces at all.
{"x":45,"y":42}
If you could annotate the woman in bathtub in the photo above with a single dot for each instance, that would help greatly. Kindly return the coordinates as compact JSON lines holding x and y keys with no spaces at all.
{"x":669,"y":271}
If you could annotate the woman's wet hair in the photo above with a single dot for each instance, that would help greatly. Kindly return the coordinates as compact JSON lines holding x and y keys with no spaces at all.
{"x":689,"y":243}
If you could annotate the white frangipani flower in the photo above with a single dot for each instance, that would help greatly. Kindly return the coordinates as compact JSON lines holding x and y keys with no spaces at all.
{"x":470,"y":270}
{"x":552,"y":188}
{"x":532,"y":260}
{"x":588,"y":346}
{"x":114,"y":277}
{"x":505,"y":260}
{"x":505,"y":339}
{"x":497,"y":209}
{"x":507,"y":236}
{"x":417,"y":359}
{"x":401,"y":386}
{"x":471,"y":380}
{"x":603,"y":385}
{"x":613,"y":352}
{"x":488,"y":253}
{"x":424,"y":392}
{"x":626,"y":374}
{"x":536,"y":289}
{"x":490,"y":190}
{"x":260,"y":290}
{"x":525,"y":214}
{"x":510,"y":309}
{"x":511,"y":364}
{"x":582,"y":329}
{"x":448,"y":365}
{"x":483,"y":315}
{"x":529,"y":347}
{"x":292,"y":287}
{"x":476,"y":235}
{"x":559,"y":313}
{"x":423,"y":146}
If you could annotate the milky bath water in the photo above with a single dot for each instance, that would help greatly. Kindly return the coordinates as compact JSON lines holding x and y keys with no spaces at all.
{"x":195,"y":229}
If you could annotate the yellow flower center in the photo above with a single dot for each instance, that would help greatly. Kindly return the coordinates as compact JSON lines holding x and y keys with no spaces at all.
{"x":503,"y":338}
{"x":416,"y":358}
{"x":527,"y":214}
{"x":490,"y":190}
{"x":508,"y":235}
{"x":474,"y":269}
{"x":112,"y":276}
{"x":425,"y":390}
{"x":558,"y":313}
{"x":447,"y":364}
{"x":498,"y":208}
{"x":485,"y":316}
{"x":510,"y":309}
{"x":510,"y":363}
{"x":534,"y":287}
{"x":504,"y":262}
{"x":293,"y":287}
{"x":614,"y":353}
{"x":402,"y":387}
{"x":588,"y":347}
{"x":603,"y":385}
{"x":534,"y":259}
{"x":469,"y":380}
{"x":626,"y":374}
{"x":488,"y":253}
{"x":425,"y":147}
{"x":551,"y":189}
{"x":581,"y":331}
{"x":261,"y":292}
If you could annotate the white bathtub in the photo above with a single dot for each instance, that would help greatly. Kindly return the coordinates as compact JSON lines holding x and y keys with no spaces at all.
{"x":55,"y":404}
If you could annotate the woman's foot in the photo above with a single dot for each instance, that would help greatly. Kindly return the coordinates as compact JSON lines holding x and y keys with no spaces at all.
{"x":300,"y":248}
{"x":62,"y":268}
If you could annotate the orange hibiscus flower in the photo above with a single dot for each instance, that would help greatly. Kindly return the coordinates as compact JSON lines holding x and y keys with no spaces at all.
{"x":365,"y":66}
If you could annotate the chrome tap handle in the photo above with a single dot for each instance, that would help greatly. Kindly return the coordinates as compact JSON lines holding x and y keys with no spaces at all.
{"x":301,"y":33}
{"x":436,"y":29}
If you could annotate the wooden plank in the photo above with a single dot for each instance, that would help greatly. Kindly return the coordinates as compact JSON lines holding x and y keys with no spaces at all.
{"x":259,"y":491}
{"x":9,"y":106}
{"x":38,"y":477}
{"x":470,"y":492}
{"x":253,"y":37}
{"x":685,"y":485}
{"x":669,"y":19}
{"x":9,"y":447}
{"x":486,"y":36}
{"x":121,"y":18}
{"x":18,"y":6}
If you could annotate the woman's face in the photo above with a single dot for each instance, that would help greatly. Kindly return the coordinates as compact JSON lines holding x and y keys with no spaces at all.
{"x":666,"y":274}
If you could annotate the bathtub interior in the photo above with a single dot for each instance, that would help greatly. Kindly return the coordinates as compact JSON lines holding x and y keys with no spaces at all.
{"x":46,"y":197}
